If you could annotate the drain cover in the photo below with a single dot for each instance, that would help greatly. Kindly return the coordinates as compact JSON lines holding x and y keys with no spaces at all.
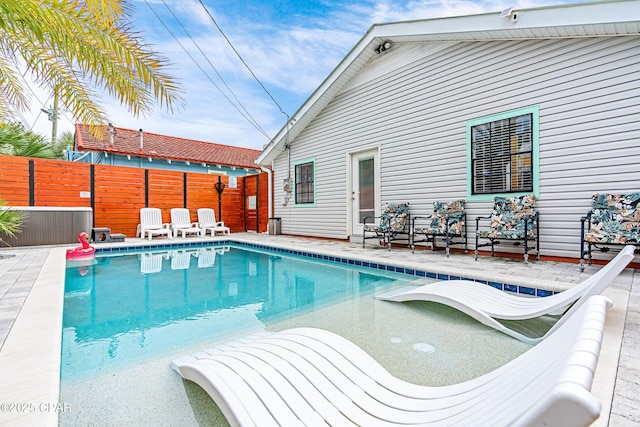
{"x":424,"y":347}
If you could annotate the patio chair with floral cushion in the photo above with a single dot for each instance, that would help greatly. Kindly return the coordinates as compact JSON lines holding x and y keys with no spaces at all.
{"x":614,"y":220}
{"x":447,"y":220}
{"x":393,"y":224}
{"x":513,"y":219}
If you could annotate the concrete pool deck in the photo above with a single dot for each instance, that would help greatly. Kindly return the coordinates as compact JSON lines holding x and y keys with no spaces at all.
{"x":31,"y":298}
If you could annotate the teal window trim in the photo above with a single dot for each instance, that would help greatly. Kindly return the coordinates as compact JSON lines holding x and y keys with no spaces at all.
{"x":534,"y":110}
{"x":312,"y":204}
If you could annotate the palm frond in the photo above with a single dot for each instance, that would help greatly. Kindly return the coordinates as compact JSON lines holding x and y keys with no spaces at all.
{"x":17,"y":141}
{"x":73,"y":47}
{"x":11,"y":222}
{"x":12,"y":93}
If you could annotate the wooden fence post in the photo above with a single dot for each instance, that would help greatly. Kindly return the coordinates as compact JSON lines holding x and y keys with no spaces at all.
{"x":32,"y":184}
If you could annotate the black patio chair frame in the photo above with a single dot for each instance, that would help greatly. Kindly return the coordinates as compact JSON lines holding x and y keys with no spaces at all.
{"x":385,"y":235}
{"x":515,"y":242}
{"x":449,"y":238}
{"x":585,"y":226}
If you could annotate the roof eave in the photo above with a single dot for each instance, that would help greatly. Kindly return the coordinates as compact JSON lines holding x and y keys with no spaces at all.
{"x":156,"y":157}
{"x":604,"y":18}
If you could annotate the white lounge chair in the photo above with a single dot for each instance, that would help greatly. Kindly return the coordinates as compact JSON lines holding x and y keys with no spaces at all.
{"x":151,"y":223}
{"x":309,"y":376}
{"x":486,"y":304}
{"x":207,"y":220}
{"x":181,"y":223}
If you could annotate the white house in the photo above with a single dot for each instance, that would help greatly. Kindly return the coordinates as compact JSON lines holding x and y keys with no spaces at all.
{"x":393,"y":122}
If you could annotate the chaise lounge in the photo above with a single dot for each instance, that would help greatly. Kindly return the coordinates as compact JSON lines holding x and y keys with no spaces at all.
{"x":486,"y":303}
{"x":308,"y":376}
{"x":151,"y":223}
{"x":207,"y":221}
{"x":181,"y":223}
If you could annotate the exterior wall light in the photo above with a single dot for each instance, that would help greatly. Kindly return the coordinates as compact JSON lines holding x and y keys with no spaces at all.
{"x":384,"y":46}
{"x":219,"y":186}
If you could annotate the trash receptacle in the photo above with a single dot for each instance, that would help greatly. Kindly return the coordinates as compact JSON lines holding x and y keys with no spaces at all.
{"x":274,"y":225}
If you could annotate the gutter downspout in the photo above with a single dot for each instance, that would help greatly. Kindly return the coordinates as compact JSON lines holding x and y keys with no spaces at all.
{"x":269,"y":190}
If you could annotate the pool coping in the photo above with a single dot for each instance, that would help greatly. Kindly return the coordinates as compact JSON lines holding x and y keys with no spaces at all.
{"x":30,"y":357}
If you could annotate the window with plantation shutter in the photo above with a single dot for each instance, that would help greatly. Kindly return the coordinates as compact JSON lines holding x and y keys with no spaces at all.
{"x":502,"y":155}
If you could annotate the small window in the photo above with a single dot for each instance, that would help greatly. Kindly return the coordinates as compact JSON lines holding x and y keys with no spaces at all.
{"x":502,"y":155}
{"x":305,"y":183}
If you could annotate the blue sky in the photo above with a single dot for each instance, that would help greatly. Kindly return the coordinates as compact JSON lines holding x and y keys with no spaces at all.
{"x":291,"y":46}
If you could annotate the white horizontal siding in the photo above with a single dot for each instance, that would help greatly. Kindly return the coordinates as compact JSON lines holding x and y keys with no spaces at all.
{"x":414,"y":101}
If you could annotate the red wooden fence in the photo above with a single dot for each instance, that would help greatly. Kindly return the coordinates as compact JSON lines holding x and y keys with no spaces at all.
{"x":117,"y":193}
{"x":14,"y":181}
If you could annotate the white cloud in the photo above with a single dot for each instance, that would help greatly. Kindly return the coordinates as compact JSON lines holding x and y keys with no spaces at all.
{"x":290,"y":58}
{"x":299,"y":59}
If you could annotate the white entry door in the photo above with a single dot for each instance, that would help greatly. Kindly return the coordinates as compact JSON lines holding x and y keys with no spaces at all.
{"x":364,"y":188}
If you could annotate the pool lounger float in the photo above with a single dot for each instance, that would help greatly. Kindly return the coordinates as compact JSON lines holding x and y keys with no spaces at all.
{"x":486,"y":303}
{"x":307,"y":376}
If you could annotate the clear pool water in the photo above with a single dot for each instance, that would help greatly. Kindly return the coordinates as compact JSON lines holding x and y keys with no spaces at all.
{"x":127,"y":316}
{"x":124,"y":308}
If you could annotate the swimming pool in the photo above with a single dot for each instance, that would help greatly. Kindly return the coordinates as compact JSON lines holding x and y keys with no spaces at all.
{"x":128,"y":314}
{"x":124,"y":308}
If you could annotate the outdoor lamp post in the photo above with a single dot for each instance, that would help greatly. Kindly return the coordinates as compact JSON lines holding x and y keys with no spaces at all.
{"x":219,"y":186}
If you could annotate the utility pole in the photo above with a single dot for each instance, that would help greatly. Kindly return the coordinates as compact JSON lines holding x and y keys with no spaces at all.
{"x":54,"y":132}
{"x":53,"y":117}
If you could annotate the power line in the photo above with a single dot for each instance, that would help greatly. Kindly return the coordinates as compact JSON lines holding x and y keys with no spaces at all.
{"x":242,"y":60}
{"x":199,"y":123}
{"x":247,"y":116}
{"x":43,"y":105}
{"x":211,"y":64}
{"x":28,"y":85}
{"x":183,"y":120}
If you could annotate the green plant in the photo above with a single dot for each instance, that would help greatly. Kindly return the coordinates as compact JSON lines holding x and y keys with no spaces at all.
{"x":64,"y":141}
{"x":15,"y":140}
{"x":79,"y":50}
{"x":11,"y":222}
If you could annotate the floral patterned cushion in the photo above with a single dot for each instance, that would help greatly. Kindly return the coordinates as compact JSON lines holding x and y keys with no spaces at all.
{"x":393,"y":218}
{"x":453,"y":212}
{"x":615,"y":218}
{"x":507,"y":218}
